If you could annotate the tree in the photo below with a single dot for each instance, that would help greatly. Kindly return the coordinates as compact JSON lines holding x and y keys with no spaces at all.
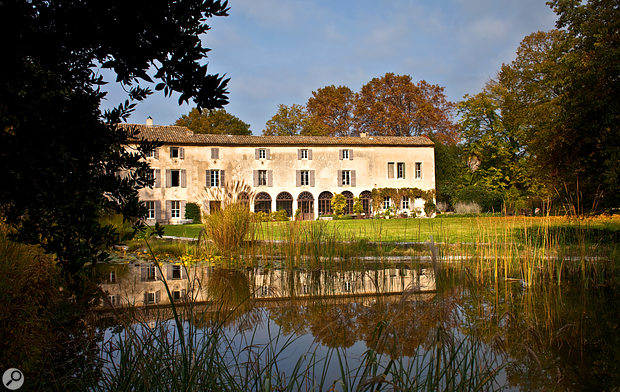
{"x":395,"y":106}
{"x":339,"y":202}
{"x":586,"y":150}
{"x":332,"y":107}
{"x":64,"y":162}
{"x":292,"y":121}
{"x":217,"y":121}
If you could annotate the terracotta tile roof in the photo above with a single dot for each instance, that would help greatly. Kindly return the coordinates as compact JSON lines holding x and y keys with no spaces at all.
{"x":169,"y":134}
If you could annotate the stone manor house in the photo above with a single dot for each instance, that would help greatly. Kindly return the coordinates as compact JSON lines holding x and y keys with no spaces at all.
{"x":287,"y":173}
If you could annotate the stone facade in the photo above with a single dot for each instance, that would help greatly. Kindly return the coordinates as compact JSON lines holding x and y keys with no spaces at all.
{"x":287,"y":173}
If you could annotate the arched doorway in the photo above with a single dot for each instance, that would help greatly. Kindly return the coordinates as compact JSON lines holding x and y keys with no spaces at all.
{"x":305,"y":203}
{"x":262,"y":203}
{"x":366,"y":198}
{"x":325,"y":203}
{"x":284,"y":201}
{"x":348,"y":208}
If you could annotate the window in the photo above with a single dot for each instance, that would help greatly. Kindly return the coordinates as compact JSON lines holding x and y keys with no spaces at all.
{"x":147,"y":273}
{"x":114,"y":300}
{"x":175,"y":178}
{"x":176,"y":272}
{"x":150,"y":210}
{"x":150,"y":298}
{"x":304,"y":153}
{"x":112,"y":277}
{"x":346,"y":177}
{"x":151,"y":153}
{"x":418,"y":170}
{"x":345,"y":154}
{"x":175,"y":152}
{"x":305,"y":177}
{"x":400,"y":170}
{"x":405,"y":203}
{"x":215,"y":153}
{"x":175,"y":209}
{"x":347,"y":287}
{"x":386,"y":202}
{"x":178,"y":295}
{"x":262,"y":178}
{"x":390,"y":170}
{"x":215,"y":178}
{"x":262,"y":153}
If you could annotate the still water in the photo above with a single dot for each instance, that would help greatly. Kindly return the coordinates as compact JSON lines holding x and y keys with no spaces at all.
{"x":539,"y":338}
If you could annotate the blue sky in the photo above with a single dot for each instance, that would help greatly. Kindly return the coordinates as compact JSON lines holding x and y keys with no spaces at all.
{"x":279,"y":51}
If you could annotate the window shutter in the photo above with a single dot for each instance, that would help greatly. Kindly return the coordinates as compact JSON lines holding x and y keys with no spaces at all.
{"x":390,"y":170}
{"x":256,"y":153}
{"x":157,"y":210}
{"x":298,"y":178}
{"x":183,"y":203}
{"x":156,"y":153}
{"x":171,"y":153}
{"x":299,"y":153}
{"x":169,"y":272}
{"x":168,"y":178}
{"x":404,"y":170}
{"x":168,"y":209}
{"x":309,"y":154}
{"x":222,"y":179}
{"x":255,"y":178}
{"x":215,"y":153}
{"x":143,"y":271}
{"x":181,"y":152}
{"x":340,"y":154}
{"x":311,"y":177}
{"x":146,"y":298}
{"x":157,"y":296}
{"x":268,"y":154}
{"x":183,"y":179}
{"x":208,"y":177}
{"x":183,"y":272}
{"x":350,"y":155}
{"x":353,"y":178}
{"x":270,"y":178}
{"x":157,"y":178}
{"x":339,"y":177}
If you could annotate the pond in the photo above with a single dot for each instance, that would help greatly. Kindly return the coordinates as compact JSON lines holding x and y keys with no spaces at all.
{"x":378,"y":324}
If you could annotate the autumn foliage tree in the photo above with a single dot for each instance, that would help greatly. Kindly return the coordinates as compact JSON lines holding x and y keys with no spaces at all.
{"x":217,"y":121}
{"x":292,"y":121}
{"x":394,"y":105}
{"x":332,"y":107}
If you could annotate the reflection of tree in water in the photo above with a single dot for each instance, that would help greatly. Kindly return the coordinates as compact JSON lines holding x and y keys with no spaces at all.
{"x":334,"y":325}
{"x":230,"y":295}
{"x":290,"y":317}
{"x":562,"y":338}
{"x":399,"y":328}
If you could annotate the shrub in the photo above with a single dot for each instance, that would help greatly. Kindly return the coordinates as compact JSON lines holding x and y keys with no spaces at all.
{"x":278,"y":216}
{"x":260,"y":216}
{"x":339,"y":202}
{"x":467,"y":208}
{"x":488,"y":200}
{"x":442,"y":206}
{"x":192,"y":211}
{"x":429,"y":207}
{"x":358,"y":208}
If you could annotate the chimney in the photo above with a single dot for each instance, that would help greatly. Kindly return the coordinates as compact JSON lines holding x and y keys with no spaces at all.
{"x":363,"y":134}
{"x":149,"y":121}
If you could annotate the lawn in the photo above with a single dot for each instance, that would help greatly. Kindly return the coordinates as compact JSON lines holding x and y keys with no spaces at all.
{"x":449,"y":230}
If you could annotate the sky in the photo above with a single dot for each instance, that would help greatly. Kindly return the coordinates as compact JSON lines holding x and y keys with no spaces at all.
{"x":279,"y":51}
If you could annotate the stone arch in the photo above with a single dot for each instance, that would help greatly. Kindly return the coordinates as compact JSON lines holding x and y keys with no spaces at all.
{"x":348,"y":209}
{"x":325,"y":203}
{"x":262,"y":202}
{"x":366,"y":199}
{"x":284,"y":201}
{"x":305,"y":204}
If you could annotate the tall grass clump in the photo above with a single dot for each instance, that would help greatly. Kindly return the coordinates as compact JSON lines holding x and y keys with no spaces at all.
{"x":230,"y":225}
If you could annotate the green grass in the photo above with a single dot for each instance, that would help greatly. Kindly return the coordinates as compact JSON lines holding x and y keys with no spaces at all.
{"x":453,"y":230}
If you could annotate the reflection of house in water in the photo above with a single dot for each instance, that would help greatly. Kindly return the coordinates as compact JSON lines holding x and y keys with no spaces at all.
{"x":140,"y":284}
